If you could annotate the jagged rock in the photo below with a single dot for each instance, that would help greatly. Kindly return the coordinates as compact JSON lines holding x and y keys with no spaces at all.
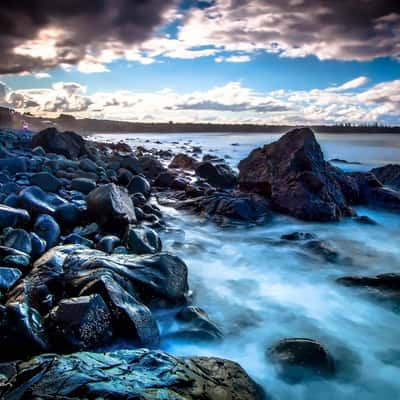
{"x":69,"y":144}
{"x":183,"y":161}
{"x":79,"y":323}
{"x":12,"y":217}
{"x":143,"y":240}
{"x":83,"y":185}
{"x":111,"y":207}
{"x":297,"y":236}
{"x":18,"y":239}
{"x":8,"y":277}
{"x":389,"y":175}
{"x":300,"y":359}
{"x":293,"y":173}
{"x":218,"y":175}
{"x":388,"y":281}
{"x":21,"y":332}
{"x":46,"y":181}
{"x":129,"y":374}
{"x":324,"y":249}
{"x":138,"y":184}
{"x":47,"y":228}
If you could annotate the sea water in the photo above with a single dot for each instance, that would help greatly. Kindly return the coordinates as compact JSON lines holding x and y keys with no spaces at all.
{"x":260,"y":289}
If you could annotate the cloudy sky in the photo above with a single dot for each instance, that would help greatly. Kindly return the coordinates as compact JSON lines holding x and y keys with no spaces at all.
{"x":253,"y":61}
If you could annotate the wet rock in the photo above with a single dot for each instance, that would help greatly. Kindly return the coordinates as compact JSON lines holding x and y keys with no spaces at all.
{"x":69,"y":144}
{"x":151,"y":166}
{"x":131,"y":163}
{"x":218,"y":175}
{"x":13,"y":258}
{"x":165,"y":179}
{"x":39,"y":151}
{"x":108,"y":243}
{"x":35,"y":200}
{"x":18,"y":239}
{"x":10,"y":187}
{"x":196,"y":325}
{"x":69,"y":215}
{"x":389,"y":175}
{"x":143,"y":240}
{"x":12,"y":217}
{"x":385,"y":198}
{"x":14,"y":164}
{"x":21,"y":332}
{"x":293,"y":173}
{"x":47,"y":228}
{"x":364,"y":219}
{"x":74,"y":238}
{"x":297,"y":236}
{"x":124,"y":176}
{"x":138,"y":184}
{"x":8,"y":277}
{"x":221,"y":207}
{"x":79,"y":323}
{"x":183,"y":161}
{"x":300,"y":359}
{"x":38,"y":246}
{"x":46,"y":181}
{"x":130,"y":374}
{"x":111,"y":207}
{"x":384,"y":282}
{"x":86,"y":164}
{"x":324,"y":249}
{"x":83,"y":185}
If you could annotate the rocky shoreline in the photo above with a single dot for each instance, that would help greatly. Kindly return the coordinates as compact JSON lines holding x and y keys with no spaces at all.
{"x":83,"y":266}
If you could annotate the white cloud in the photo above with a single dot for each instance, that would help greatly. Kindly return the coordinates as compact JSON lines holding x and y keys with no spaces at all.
{"x":234,"y":59}
{"x":353,"y":84}
{"x":230,"y":103}
{"x":42,"y":75}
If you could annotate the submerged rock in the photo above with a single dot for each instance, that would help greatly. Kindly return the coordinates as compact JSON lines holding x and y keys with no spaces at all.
{"x":293,"y":173}
{"x":69,"y":144}
{"x":129,"y":374}
{"x":300,"y":359}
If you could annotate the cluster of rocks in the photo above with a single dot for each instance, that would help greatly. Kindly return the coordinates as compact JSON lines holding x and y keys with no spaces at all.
{"x":82,"y":267}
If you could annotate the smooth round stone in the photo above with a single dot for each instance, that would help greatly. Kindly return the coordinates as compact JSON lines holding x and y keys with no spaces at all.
{"x":83,"y":185}
{"x":18,"y":239}
{"x":108,"y":243}
{"x":47,"y":228}
{"x":11,"y":217}
{"x":87,"y":165}
{"x":68,"y":215}
{"x":38,"y":246}
{"x":138,"y":184}
{"x":8,"y":277}
{"x":46,"y":181}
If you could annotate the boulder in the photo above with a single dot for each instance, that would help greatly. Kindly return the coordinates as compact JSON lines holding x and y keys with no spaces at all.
{"x":298,"y":236}
{"x":69,"y":215}
{"x":47,"y":229}
{"x":69,"y":144}
{"x":12,"y":217}
{"x":293,"y":173}
{"x":129,"y":374}
{"x":79,"y":323}
{"x":299,"y":359}
{"x":384,"y":282}
{"x":46,"y":181}
{"x":83,"y":185}
{"x":111,"y":207}
{"x":138,"y":184}
{"x":183,"y":161}
{"x":389,"y":175}
{"x":143,"y":240}
{"x":150,"y":166}
{"x":217,"y":175}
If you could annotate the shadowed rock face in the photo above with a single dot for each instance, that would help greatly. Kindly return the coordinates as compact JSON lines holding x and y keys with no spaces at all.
{"x":128,"y":374}
{"x":69,"y":144}
{"x":389,"y":175}
{"x":293,"y":173}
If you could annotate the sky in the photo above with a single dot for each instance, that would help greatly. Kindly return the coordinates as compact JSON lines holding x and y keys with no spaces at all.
{"x":225,"y":61}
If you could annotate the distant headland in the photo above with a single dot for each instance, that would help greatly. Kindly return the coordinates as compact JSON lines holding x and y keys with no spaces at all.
{"x":12,"y":118}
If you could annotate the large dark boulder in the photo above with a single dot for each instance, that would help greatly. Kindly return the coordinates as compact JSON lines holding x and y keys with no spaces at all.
{"x":69,"y":144}
{"x":389,"y":175}
{"x":151,"y":166}
{"x":385,"y":282}
{"x":12,"y":217}
{"x":299,"y":359}
{"x":217,"y":175}
{"x":138,"y":184}
{"x":111,"y":207}
{"x":79,"y":323}
{"x":129,"y":374}
{"x":293,"y":173}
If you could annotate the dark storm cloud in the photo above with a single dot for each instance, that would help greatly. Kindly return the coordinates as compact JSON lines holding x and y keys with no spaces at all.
{"x":86,"y":23}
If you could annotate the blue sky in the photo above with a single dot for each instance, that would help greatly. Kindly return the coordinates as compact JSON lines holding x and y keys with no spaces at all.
{"x":223,"y":60}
